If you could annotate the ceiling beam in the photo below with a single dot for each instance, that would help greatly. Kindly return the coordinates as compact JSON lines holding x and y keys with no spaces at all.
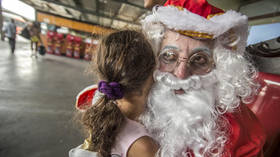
{"x":225,"y":4}
{"x":51,"y":8}
{"x":83,"y":10}
{"x":80,"y":5}
{"x":264,"y":16}
{"x":116,"y":14}
{"x":70,"y":18}
{"x":137,"y":18}
{"x":132,"y":4}
{"x":244,"y":3}
{"x":249,"y":2}
{"x":10,"y":12}
{"x":68,"y":12}
{"x":97,"y":10}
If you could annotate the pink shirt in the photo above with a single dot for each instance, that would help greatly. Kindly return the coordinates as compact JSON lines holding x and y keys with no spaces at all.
{"x":131,"y":131}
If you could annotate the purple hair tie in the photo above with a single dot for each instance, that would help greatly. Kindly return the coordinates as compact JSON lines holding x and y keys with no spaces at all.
{"x":112,"y":90}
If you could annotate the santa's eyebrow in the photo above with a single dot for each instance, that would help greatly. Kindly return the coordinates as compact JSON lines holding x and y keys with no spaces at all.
{"x":169,"y":47}
{"x":203,"y":48}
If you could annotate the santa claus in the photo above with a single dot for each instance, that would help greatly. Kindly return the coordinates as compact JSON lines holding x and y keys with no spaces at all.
{"x":203,"y":81}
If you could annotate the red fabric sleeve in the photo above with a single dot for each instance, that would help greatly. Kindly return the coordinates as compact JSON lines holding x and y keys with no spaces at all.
{"x":247,"y":134}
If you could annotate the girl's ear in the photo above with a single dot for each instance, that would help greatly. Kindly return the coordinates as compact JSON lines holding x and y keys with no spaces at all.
{"x":84,"y":98}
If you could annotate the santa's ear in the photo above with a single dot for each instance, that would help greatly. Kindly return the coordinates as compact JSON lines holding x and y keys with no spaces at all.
{"x":230,"y":39}
{"x":84,"y":98}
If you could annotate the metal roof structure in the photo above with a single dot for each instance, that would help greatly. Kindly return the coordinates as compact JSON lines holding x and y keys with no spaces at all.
{"x":116,"y":14}
{"x":121,"y":14}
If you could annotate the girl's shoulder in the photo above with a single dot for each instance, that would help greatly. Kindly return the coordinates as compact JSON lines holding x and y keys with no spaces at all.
{"x":143,"y":147}
{"x":128,"y":136}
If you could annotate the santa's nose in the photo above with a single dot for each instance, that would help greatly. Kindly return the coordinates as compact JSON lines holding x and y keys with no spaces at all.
{"x":182,"y":71}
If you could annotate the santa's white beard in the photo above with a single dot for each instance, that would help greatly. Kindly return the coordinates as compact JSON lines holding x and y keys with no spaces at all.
{"x":185,"y":121}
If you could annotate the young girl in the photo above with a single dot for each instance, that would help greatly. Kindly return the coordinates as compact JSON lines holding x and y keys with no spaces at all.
{"x":124,"y":63}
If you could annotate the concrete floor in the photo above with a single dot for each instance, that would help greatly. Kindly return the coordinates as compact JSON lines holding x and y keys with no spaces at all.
{"x":37,"y":103}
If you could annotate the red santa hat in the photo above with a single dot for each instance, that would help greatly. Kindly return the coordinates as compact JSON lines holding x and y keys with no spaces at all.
{"x":199,"y":19}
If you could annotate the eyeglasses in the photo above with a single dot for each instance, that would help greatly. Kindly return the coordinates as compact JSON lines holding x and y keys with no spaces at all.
{"x":199,"y":62}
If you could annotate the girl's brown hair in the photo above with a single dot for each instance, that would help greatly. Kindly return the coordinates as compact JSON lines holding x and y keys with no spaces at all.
{"x":125,"y":57}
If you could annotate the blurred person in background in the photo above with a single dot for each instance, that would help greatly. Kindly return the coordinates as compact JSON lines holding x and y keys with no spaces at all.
{"x":34,"y":31}
{"x":10,"y":32}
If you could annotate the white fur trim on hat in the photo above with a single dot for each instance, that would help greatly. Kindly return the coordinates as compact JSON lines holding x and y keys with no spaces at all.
{"x":184,"y":20}
{"x":176,"y":19}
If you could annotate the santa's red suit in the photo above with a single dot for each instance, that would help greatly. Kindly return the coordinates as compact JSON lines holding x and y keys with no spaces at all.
{"x":247,"y":136}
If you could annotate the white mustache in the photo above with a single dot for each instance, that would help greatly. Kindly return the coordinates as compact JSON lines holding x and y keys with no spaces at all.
{"x":193,"y":82}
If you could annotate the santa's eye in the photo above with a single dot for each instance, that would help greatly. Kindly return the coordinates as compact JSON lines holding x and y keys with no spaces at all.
{"x":199,"y":60}
{"x":200,"y":63}
{"x":168,"y":57}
